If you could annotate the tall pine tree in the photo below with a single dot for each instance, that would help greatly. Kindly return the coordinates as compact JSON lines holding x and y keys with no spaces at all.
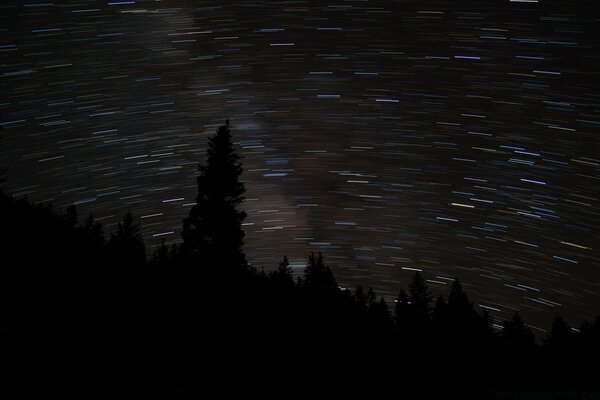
{"x":126,"y":245}
{"x":213,"y":231}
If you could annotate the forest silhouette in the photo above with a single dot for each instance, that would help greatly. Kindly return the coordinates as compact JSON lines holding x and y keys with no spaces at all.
{"x":86,"y":312}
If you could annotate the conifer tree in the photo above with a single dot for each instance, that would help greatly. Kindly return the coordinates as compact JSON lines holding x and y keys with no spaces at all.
{"x":317,"y":275}
{"x":213,"y":230}
{"x":420,"y":303}
{"x":401,"y":309}
{"x":126,"y":245}
{"x":560,"y":334}
{"x":282,"y":276}
{"x":516,"y":334}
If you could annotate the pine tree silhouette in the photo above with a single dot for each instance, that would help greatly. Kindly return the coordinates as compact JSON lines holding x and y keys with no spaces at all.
{"x":317,"y":275}
{"x":360,"y":297}
{"x":371,"y":297}
{"x":516,"y":334}
{"x":485,"y":326}
{"x":213,"y":230}
{"x":91,"y":241}
{"x":439,"y":318}
{"x":282,"y":276}
{"x":460,"y":311}
{"x":420,"y":301}
{"x":94,"y":231}
{"x":401,"y":310}
{"x":70,"y":217}
{"x":560,"y":334}
{"x":380,"y":315}
{"x":126,"y":245}
{"x":160,"y":256}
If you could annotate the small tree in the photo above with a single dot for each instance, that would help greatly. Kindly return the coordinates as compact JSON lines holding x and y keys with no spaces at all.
{"x":516,"y":335}
{"x":92,"y":238}
{"x":126,"y":245}
{"x":401,"y":310}
{"x":439,"y":315}
{"x":560,"y":335}
{"x":360,"y":297}
{"x":485,"y":325}
{"x":282,"y":276}
{"x":317,"y":275}
{"x":160,"y":256}
{"x":380,"y":314}
{"x":461,"y":311}
{"x":458,"y":302}
{"x":420,"y":301}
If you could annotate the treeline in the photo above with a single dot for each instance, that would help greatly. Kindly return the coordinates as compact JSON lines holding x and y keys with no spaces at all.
{"x":84,"y":311}
{"x":77,"y":305}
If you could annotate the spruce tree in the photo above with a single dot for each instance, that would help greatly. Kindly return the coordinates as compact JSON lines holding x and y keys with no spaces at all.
{"x":126,"y":245}
{"x":318,"y":275}
{"x":517,"y":336}
{"x":439,"y":316}
{"x":282,"y":276}
{"x":401,"y":311}
{"x":560,"y":334}
{"x":361,"y":297}
{"x":420,"y":303}
{"x":213,"y":230}
{"x":461,"y":311}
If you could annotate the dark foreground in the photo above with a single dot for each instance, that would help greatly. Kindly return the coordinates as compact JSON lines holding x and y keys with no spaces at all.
{"x":83,"y":315}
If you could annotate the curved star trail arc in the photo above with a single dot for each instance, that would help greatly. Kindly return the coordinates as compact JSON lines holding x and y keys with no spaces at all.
{"x":452,"y":138}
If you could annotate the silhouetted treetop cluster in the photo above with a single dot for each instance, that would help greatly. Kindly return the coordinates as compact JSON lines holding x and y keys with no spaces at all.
{"x":82,"y":310}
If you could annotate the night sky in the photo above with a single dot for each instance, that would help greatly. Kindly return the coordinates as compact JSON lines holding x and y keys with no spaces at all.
{"x":457,"y":138}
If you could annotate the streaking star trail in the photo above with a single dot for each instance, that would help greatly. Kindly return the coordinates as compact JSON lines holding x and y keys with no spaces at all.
{"x":456,"y":138}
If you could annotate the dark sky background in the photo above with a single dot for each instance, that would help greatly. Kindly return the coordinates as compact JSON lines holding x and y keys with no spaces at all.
{"x":459,"y":138}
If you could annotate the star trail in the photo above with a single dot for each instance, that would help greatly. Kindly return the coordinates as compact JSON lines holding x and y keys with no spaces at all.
{"x":456,"y":138}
